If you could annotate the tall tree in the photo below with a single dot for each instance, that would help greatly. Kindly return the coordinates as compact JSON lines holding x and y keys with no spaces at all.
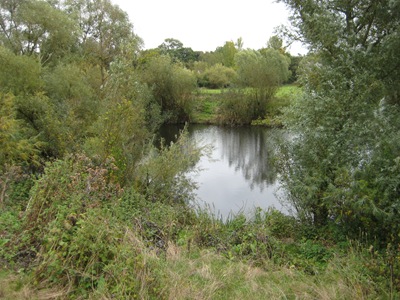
{"x":35,"y":27}
{"x":344,"y":157}
{"x":262,"y":71}
{"x":227,"y":54}
{"x":172,"y":87}
{"x":174,"y":48}
{"x":105,"y":31}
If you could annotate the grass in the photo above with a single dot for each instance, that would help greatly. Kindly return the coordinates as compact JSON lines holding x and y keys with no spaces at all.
{"x":106,"y":243}
{"x":207,"y":102}
{"x":206,"y":106}
{"x":206,"y":274}
{"x":17,"y":286}
{"x":205,"y":91}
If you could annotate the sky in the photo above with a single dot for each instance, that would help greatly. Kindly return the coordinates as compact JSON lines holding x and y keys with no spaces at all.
{"x":204,"y":25}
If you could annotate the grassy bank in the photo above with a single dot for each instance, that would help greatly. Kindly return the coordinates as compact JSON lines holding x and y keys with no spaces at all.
{"x":207,"y":102}
{"x":268,"y":257}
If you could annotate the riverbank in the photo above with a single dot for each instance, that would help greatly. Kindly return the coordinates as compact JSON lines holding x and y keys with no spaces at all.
{"x":268,"y":257}
{"x":207,"y":102}
{"x":74,"y":233}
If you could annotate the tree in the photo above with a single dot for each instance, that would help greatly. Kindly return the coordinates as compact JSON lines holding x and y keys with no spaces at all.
{"x":36,"y":27}
{"x":19,"y":74}
{"x":172,"y":87}
{"x":74,"y":98}
{"x":293,"y":67}
{"x":345,"y":148}
{"x":218,"y":76}
{"x":239,"y":44}
{"x":276,"y":43}
{"x":262,"y":71}
{"x":174,"y":48}
{"x":227,"y":54}
{"x":105,"y":31}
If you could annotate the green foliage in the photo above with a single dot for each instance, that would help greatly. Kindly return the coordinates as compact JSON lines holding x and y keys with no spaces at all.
{"x":73,"y":97}
{"x":16,"y":147}
{"x":217,"y":76}
{"x":105,"y":31}
{"x":162,"y":174}
{"x":36,"y":28}
{"x":80,"y":242}
{"x":227,"y":54}
{"x":119,"y":132}
{"x":239,"y":107}
{"x":18,"y":152}
{"x":344,"y":153}
{"x":174,"y":48}
{"x":264,"y":71}
{"x":172,"y":87}
{"x":19,"y":74}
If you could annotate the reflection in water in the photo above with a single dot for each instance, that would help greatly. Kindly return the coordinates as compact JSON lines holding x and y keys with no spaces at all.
{"x":249,"y":150}
{"x":240,"y":174}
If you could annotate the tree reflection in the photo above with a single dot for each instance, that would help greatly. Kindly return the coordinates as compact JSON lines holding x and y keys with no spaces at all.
{"x":250,"y":150}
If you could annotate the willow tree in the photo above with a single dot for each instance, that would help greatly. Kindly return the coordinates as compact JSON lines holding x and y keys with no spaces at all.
{"x":172,"y":87}
{"x":262,"y":71}
{"x":343,"y":162}
{"x":32,"y":27}
{"x":105,"y":30}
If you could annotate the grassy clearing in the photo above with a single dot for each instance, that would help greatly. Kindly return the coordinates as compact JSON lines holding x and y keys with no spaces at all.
{"x":206,"y":108}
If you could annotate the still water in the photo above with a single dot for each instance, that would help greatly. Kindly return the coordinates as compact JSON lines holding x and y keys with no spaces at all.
{"x":239,"y":173}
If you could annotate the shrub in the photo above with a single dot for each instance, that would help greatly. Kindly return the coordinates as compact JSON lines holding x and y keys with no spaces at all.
{"x":238,"y":107}
{"x":73,"y":235}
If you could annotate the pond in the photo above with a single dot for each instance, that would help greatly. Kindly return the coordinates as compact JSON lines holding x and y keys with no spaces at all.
{"x":239,"y":175}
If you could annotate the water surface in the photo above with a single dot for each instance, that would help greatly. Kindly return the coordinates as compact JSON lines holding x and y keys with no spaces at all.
{"x":239,"y":174}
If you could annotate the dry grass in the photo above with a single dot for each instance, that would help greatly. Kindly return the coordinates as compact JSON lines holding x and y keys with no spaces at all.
{"x":207,"y":275}
{"x":13,"y":287}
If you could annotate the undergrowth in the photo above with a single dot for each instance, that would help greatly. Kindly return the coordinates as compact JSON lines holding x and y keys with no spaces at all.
{"x":82,"y":236}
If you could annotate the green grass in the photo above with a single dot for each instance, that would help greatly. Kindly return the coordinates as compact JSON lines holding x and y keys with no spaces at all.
{"x":205,"y":91}
{"x":286,"y":91}
{"x":206,"y":102}
{"x":206,"y":274}
{"x":206,"y":106}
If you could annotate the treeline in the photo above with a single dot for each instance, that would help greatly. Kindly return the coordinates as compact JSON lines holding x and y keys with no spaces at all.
{"x":73,"y":78}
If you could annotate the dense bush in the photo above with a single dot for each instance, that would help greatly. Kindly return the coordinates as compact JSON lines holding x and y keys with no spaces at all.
{"x":172,"y":86}
{"x":239,"y":107}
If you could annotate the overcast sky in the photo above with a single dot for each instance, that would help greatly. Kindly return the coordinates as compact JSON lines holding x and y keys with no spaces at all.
{"x":204,"y":25}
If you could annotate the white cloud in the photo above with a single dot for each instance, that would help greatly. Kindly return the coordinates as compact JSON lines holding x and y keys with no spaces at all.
{"x":205,"y":25}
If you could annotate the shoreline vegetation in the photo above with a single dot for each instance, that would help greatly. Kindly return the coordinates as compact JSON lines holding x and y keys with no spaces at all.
{"x":172,"y":251}
{"x":90,"y":208}
{"x":207,"y":102}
